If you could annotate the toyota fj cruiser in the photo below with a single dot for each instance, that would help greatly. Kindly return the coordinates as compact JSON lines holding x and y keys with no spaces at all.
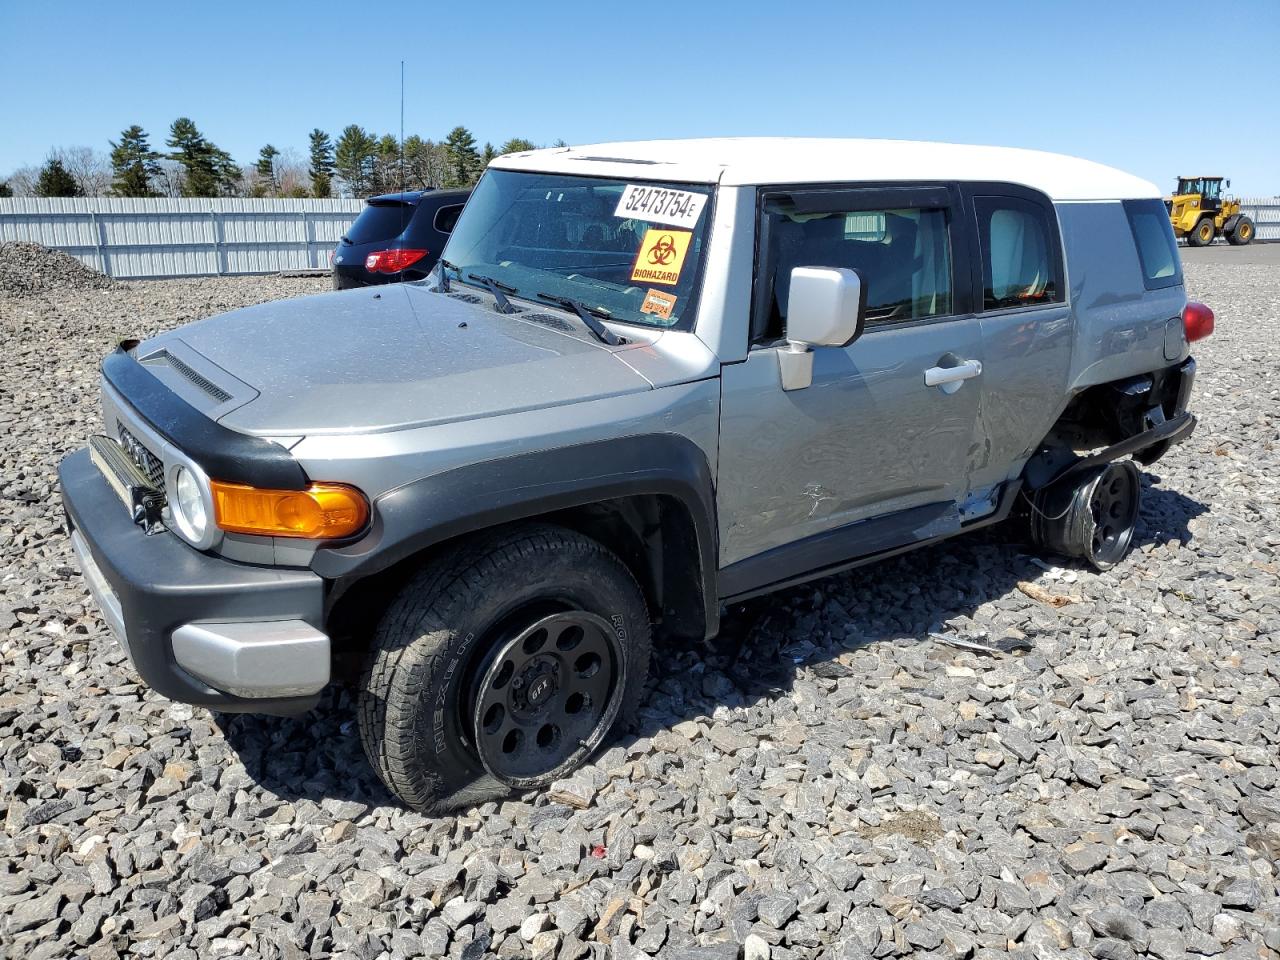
{"x":645,"y":380}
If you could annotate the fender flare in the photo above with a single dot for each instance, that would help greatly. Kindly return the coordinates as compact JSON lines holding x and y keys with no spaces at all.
{"x":1230,"y":223}
{"x":440,"y":507}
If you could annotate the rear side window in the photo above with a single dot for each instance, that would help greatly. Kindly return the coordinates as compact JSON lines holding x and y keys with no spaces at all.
{"x":904,"y":256}
{"x":1157,"y":248}
{"x":380,"y":221}
{"x":1020,"y":264}
{"x":446,"y":217}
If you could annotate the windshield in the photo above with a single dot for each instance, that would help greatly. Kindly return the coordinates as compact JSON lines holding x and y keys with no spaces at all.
{"x":630,"y":250}
{"x":1208,"y":187}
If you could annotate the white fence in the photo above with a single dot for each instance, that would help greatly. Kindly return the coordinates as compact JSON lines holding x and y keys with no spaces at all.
{"x":1265,"y":214}
{"x":182,"y":238}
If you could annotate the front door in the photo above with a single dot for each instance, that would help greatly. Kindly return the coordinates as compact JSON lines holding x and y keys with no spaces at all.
{"x":889,"y":426}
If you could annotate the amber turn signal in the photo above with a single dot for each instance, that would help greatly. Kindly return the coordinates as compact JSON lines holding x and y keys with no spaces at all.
{"x":323,"y":511}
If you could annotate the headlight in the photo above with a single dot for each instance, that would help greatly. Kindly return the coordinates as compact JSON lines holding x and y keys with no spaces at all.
{"x":188,"y":507}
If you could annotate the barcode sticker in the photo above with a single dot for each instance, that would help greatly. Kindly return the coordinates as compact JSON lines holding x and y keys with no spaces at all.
{"x":660,"y":205}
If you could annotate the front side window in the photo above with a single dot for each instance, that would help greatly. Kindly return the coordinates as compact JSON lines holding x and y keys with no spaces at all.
{"x":1019,"y":259}
{"x":1157,"y":248}
{"x":903,"y":256}
{"x":629,"y":250}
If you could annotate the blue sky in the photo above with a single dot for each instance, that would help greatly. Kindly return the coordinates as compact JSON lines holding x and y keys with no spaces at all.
{"x":1150,"y":86}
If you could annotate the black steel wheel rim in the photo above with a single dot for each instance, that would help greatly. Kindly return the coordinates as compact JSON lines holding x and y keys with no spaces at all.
{"x":548,"y":695}
{"x":1113,"y":509}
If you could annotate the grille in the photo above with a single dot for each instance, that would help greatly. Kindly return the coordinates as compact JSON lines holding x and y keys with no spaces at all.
{"x":147,"y":461}
{"x":201,"y":381}
{"x":466,"y":297}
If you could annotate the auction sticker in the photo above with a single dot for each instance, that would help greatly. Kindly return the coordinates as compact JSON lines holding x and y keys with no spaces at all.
{"x":659,"y":303}
{"x":680,"y":208}
{"x":661,"y":256}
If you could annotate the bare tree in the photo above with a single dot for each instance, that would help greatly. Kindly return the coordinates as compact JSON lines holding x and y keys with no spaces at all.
{"x":90,"y":168}
{"x":172,"y":175}
{"x":23,"y":181}
{"x":425,"y":163}
{"x":292,"y":175}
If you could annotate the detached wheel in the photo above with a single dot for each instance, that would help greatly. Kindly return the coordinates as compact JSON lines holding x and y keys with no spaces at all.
{"x":503,"y":666}
{"x":1203,"y":233}
{"x":1091,"y":516}
{"x":1243,"y":232}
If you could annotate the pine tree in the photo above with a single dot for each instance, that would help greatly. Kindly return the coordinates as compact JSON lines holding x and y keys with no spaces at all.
{"x":464,"y":161}
{"x":517,"y":145}
{"x":55,"y":181}
{"x":210,"y":171}
{"x":321,"y":163}
{"x":487,"y":156}
{"x":266,"y":167}
{"x":386,"y":165}
{"x":134,"y":165}
{"x":5,"y":189}
{"x":353,"y":158}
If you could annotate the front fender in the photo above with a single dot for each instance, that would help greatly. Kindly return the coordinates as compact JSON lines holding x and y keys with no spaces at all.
{"x":429,"y":511}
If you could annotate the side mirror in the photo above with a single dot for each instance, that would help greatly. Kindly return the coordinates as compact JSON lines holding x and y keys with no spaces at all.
{"x":826,"y":307}
{"x":1228,"y":184}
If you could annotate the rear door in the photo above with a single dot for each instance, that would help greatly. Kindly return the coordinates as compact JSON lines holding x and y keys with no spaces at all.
{"x":1027,"y":328}
{"x":871,"y":437}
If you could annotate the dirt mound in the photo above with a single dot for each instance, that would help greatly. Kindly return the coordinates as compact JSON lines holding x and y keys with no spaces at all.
{"x":27,"y":268}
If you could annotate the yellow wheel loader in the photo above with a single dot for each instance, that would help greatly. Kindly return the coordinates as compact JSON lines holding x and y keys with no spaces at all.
{"x":1200,"y":212}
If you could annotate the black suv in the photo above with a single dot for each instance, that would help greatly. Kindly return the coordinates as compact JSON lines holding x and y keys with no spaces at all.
{"x":398,"y":236}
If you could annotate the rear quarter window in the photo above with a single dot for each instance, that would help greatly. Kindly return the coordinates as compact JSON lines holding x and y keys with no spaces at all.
{"x":1157,"y":248}
{"x":447,"y":217}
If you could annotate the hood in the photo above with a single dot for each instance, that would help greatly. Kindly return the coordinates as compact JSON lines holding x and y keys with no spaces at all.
{"x":387,"y":358}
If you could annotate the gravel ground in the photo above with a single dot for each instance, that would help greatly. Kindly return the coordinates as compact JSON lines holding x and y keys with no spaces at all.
{"x":844,"y":786}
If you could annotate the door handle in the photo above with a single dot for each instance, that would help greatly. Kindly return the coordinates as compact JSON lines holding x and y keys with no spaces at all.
{"x":952,"y":376}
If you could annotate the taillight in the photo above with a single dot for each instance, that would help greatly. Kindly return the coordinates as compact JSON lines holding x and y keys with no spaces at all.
{"x":1197,"y":321}
{"x":392,"y":261}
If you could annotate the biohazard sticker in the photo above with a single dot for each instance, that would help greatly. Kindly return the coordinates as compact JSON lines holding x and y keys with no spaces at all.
{"x":661,"y":256}
{"x":680,"y":208}
{"x":658,"y":303}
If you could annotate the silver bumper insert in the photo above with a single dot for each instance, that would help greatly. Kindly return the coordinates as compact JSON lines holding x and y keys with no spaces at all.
{"x":275,"y":658}
{"x":106,"y":599}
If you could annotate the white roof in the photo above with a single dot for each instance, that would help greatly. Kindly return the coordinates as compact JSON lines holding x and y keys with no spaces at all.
{"x":765,"y":160}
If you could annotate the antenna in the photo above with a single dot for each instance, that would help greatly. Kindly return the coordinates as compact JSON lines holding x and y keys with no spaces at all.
{"x":402,"y":126}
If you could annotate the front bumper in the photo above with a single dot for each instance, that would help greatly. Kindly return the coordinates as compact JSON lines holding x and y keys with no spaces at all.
{"x":199,"y":629}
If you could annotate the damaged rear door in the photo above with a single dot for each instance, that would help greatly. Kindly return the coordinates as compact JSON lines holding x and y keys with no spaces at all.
{"x":890,"y":422}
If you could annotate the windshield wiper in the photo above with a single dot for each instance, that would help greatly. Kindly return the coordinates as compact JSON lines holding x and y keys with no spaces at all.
{"x":499,"y":291}
{"x":602,"y":333}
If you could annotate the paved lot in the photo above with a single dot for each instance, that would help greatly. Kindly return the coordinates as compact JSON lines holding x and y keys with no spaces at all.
{"x":843,"y":787}
{"x":1255,"y":254}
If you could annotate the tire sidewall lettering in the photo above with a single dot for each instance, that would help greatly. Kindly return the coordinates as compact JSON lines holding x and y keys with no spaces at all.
{"x":452,"y":669}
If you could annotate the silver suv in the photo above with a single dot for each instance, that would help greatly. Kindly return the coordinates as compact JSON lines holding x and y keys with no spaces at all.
{"x":644,"y":381}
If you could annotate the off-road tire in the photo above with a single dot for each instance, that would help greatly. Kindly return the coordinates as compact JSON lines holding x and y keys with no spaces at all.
{"x":1196,"y":237}
{"x":1242,"y":233}
{"x":431,"y":644}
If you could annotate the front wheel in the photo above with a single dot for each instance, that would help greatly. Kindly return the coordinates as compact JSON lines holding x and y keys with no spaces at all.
{"x":1203,"y":233}
{"x":1242,"y":233}
{"x":502,"y":666}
